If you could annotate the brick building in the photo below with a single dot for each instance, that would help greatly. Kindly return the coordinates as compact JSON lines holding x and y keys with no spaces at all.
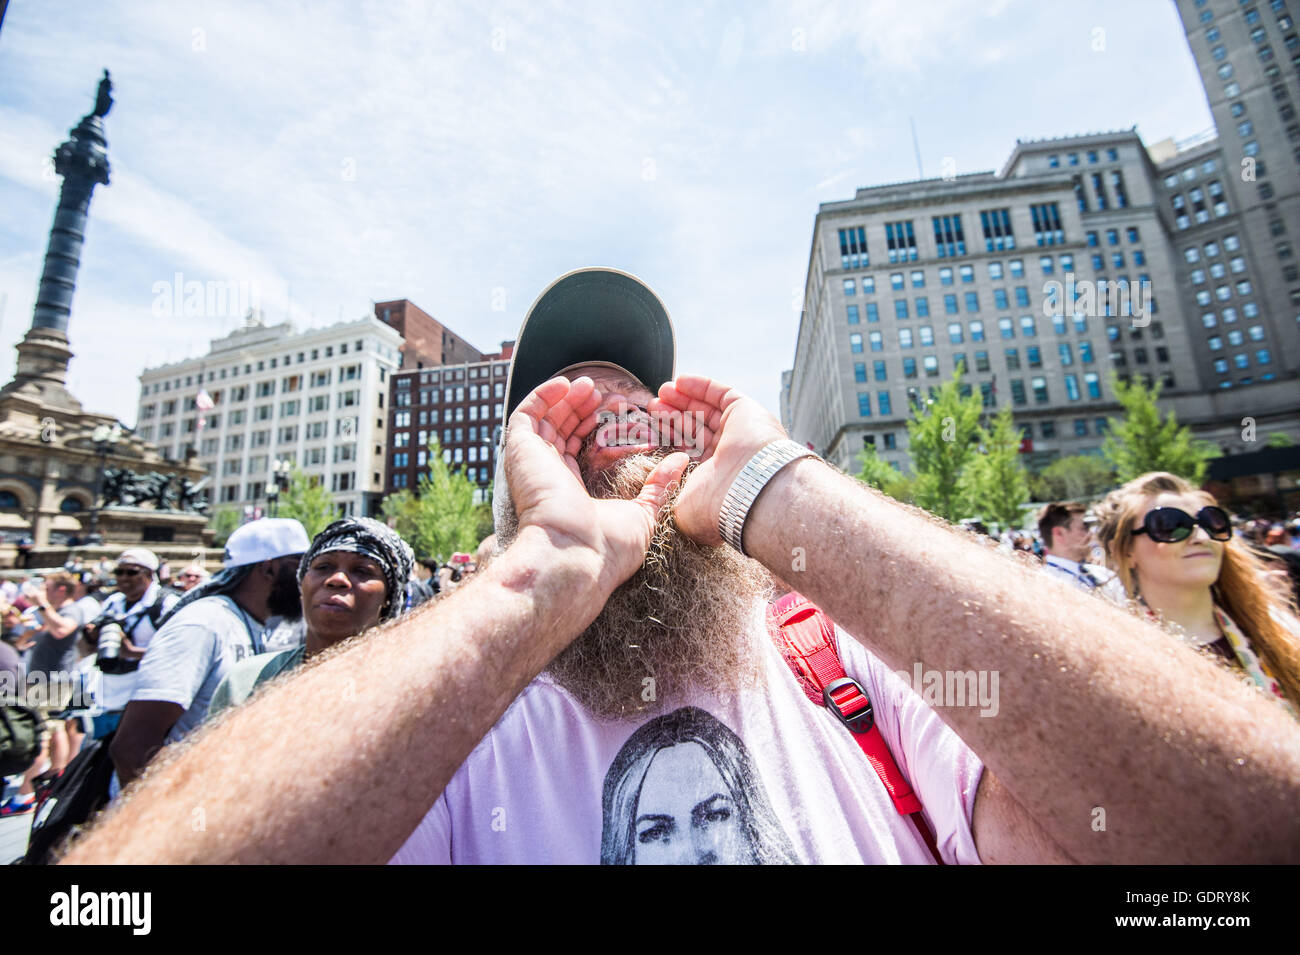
{"x":426,"y":343}
{"x":458,"y":404}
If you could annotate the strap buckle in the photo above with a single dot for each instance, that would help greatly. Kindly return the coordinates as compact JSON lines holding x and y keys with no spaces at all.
{"x":860,"y":720}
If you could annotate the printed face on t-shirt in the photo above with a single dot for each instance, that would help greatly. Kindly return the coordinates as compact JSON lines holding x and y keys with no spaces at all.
{"x":685,"y":814}
{"x":683,"y":790}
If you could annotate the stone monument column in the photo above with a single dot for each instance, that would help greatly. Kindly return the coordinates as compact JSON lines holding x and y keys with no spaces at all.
{"x":43,"y":354}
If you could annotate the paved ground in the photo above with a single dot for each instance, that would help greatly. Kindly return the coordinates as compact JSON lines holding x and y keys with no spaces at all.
{"x":13,"y":837}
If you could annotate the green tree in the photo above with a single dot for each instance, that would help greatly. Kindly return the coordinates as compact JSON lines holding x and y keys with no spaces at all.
{"x":1073,"y":478}
{"x":1279,"y":439}
{"x":307,"y":501}
{"x":1145,"y":440}
{"x":941,"y":437}
{"x":441,"y":518}
{"x":224,"y":521}
{"x":993,"y":484}
{"x":876,"y":472}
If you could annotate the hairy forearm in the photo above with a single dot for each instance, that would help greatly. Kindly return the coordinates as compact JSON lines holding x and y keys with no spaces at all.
{"x":1096,"y":709}
{"x":293,"y":776}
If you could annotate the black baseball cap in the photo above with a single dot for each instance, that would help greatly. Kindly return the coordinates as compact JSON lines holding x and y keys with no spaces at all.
{"x":592,"y":315}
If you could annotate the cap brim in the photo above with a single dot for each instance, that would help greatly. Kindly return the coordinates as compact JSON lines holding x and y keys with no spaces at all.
{"x":592,"y":315}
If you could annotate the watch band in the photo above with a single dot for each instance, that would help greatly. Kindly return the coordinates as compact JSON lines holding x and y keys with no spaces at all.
{"x":749,"y":483}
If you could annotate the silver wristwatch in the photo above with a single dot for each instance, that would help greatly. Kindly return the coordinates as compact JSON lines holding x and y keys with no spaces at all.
{"x":751,"y":480}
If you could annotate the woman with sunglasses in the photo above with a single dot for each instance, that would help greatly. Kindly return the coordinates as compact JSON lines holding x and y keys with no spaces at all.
{"x":1174,"y":551}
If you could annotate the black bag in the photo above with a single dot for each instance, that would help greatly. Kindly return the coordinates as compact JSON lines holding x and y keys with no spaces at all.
{"x":78,"y":794}
{"x":20,"y":738}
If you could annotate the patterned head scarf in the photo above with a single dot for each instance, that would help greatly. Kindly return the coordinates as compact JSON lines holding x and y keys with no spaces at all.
{"x":380,"y":543}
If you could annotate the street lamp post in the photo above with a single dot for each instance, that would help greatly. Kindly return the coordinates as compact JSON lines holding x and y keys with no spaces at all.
{"x":105,"y":439}
{"x":279,"y":482}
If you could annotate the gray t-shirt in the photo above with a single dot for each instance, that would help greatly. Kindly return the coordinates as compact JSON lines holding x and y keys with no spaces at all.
{"x":191,"y":654}
{"x":247,"y":675}
{"x":53,"y":654}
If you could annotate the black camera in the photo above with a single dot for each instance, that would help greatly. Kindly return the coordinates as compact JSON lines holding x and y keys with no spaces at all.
{"x":108,"y":652}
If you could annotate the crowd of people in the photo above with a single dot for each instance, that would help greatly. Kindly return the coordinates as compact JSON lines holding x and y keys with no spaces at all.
{"x":612,"y":678}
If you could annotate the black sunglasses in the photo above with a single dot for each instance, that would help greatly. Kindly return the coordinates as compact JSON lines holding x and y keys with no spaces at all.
{"x":126,"y":572}
{"x":1169,"y":525}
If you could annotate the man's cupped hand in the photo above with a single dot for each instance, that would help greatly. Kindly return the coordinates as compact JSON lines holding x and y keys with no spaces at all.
{"x":544,"y":436}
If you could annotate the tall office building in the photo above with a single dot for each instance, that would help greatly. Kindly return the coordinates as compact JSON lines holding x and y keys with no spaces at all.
{"x":1248,"y":56}
{"x":1083,"y":255}
{"x":317,"y":399}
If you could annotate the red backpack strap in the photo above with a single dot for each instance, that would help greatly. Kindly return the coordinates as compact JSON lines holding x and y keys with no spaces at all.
{"x":806,"y":638}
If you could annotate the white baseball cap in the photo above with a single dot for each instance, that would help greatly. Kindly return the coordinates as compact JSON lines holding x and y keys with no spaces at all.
{"x":140,"y":557}
{"x":265,"y":539}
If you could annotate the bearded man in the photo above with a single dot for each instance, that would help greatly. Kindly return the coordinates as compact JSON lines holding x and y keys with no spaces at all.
{"x":214,"y":626}
{"x":607,"y":690}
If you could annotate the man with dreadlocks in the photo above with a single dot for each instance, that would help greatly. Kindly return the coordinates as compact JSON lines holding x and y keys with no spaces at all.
{"x":215,"y":625}
{"x":352,"y":578}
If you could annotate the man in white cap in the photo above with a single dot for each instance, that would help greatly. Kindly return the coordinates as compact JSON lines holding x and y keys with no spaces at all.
{"x":140,"y":603}
{"x":214,"y":625}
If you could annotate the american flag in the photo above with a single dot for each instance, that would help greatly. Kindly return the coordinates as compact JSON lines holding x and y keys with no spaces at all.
{"x":205,"y":404}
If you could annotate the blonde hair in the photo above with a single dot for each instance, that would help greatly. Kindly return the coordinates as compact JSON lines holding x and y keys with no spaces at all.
{"x":1244,"y":590}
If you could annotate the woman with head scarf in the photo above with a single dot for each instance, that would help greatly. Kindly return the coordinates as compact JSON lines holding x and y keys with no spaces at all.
{"x":352,"y":578}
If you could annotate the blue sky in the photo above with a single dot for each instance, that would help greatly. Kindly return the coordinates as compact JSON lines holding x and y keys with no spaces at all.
{"x":463,"y":155}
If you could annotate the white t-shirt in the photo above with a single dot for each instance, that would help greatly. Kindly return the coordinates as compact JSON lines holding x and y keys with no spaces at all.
{"x":191,"y":654}
{"x":114,"y":690}
{"x":767,"y":777}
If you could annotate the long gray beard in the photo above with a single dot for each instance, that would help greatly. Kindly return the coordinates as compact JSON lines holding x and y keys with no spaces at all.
{"x":681,"y":624}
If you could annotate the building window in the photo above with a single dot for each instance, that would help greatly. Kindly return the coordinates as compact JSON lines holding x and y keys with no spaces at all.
{"x":853,"y":248}
{"x":864,"y":404}
{"x":949,"y":239}
{"x":900,"y":308}
{"x":1039,"y":387}
{"x":855,"y":343}
{"x":850,"y":287}
{"x":1103,"y":202}
{"x":878,"y":369}
{"x":922,"y":307}
{"x":900,"y":240}
{"x":853,"y":315}
{"x":909,"y":367}
{"x":859,"y":371}
{"x":931,"y":365}
{"x":955,"y":333}
{"x":904,"y":338}
{"x":927,"y":335}
{"x":1027,"y":326}
{"x":883,"y":404}
{"x":1018,"y":391}
{"x":950,"y":304}
{"x":877,"y":342}
{"x":972,"y":301}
